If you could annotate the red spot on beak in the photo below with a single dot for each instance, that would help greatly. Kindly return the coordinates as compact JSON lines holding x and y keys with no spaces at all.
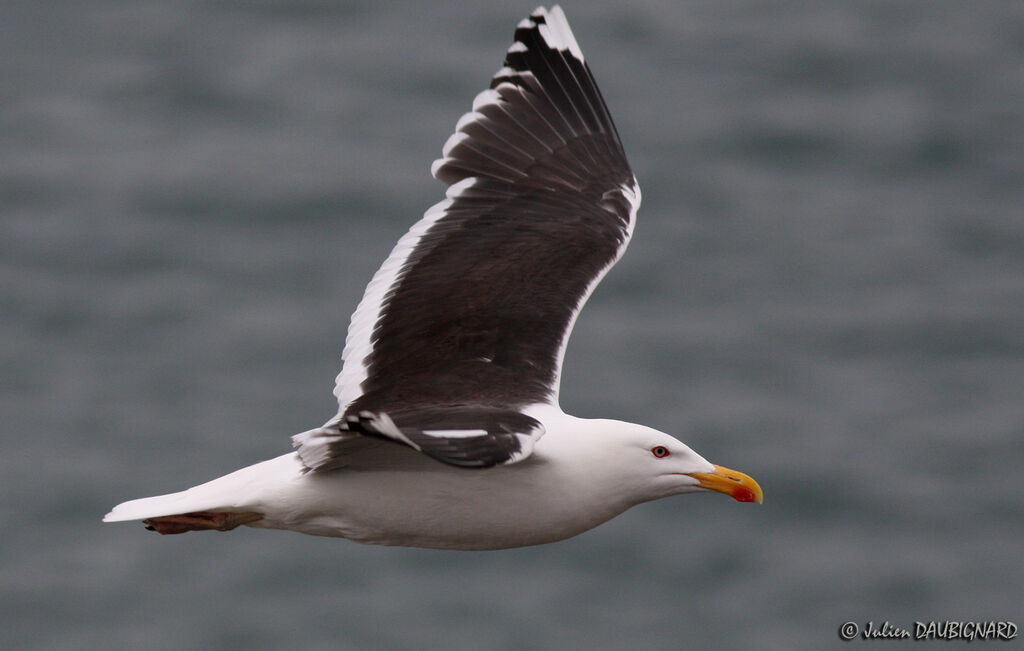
{"x":743,"y":494}
{"x":733,"y":483}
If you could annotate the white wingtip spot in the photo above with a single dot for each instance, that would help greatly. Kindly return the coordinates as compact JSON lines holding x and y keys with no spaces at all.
{"x":559,"y":25}
{"x":489,"y":96}
{"x":456,"y":189}
{"x":436,"y":165}
{"x":452,"y":141}
{"x":468,"y":118}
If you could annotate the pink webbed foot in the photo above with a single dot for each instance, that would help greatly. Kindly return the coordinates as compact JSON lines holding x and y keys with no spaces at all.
{"x":200,"y":521}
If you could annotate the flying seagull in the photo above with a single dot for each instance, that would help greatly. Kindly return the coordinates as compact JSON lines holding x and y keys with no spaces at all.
{"x":449,"y":433}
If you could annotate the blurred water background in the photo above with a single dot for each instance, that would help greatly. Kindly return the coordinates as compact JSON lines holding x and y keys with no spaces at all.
{"x":825,"y":290}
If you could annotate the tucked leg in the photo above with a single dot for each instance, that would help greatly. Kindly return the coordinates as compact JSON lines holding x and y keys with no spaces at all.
{"x":200,"y":521}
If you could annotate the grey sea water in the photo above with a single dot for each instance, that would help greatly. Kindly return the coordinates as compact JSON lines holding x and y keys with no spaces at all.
{"x":825,"y":290}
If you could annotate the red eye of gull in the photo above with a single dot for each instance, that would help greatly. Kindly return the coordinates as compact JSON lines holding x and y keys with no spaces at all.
{"x":660,"y":451}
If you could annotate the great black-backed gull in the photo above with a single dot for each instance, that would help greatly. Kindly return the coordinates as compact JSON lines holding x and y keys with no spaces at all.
{"x":449,"y":434}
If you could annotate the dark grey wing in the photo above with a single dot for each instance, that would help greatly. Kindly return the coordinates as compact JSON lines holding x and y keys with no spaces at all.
{"x":471,"y":437}
{"x":474,"y":306}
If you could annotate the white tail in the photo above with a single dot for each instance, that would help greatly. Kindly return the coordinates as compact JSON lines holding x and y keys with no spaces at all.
{"x":240,"y":491}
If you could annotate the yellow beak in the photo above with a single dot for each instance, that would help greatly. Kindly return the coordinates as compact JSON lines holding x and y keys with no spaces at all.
{"x":734,"y":483}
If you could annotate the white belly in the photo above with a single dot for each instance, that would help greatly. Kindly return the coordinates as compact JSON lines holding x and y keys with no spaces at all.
{"x":423,"y":503}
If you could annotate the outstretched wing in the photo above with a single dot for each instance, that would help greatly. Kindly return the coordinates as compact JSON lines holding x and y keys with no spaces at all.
{"x":474,"y":306}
